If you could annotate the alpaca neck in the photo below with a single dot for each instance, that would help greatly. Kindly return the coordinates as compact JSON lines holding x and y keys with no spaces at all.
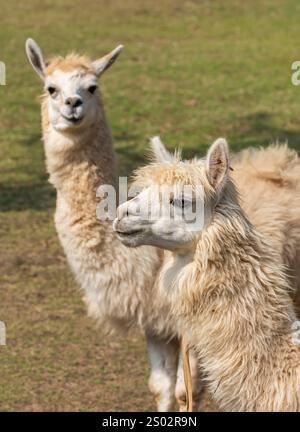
{"x":235,"y":306}
{"x":84,"y":155}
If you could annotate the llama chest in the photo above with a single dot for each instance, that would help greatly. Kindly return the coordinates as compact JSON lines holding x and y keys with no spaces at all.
{"x":172,"y":270}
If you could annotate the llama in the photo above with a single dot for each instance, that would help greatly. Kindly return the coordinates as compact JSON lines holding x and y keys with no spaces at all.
{"x":268,"y":182}
{"x":226,"y":281}
{"x":79,"y":158}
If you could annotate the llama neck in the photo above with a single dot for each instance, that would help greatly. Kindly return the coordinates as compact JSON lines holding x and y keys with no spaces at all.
{"x":81,"y":157}
{"x":235,"y":306}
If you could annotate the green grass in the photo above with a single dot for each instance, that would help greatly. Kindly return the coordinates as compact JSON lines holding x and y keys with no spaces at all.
{"x":191,"y":71}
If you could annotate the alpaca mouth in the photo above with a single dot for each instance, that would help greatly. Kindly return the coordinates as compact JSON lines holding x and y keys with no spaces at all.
{"x":128,"y":233}
{"x":72,"y":119}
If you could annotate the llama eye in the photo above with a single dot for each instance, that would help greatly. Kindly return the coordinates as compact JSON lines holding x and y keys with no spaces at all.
{"x":51,"y":90}
{"x":181,"y":203}
{"x":178,"y":203}
{"x":92,"y":89}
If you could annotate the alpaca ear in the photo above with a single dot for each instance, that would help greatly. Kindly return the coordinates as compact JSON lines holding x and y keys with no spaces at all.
{"x":35,"y":57}
{"x":217,"y":163}
{"x":160,"y":153}
{"x":105,"y":62}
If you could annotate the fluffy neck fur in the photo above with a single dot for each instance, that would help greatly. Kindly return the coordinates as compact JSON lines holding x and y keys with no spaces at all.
{"x":86,"y":155}
{"x":232,"y":299}
{"x":115,"y":293}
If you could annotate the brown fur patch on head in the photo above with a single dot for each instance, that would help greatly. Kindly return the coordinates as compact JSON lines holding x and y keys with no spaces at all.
{"x":69,"y":63}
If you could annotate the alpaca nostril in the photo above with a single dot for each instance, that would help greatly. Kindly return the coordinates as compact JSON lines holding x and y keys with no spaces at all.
{"x":77,"y":103}
{"x":73,"y":101}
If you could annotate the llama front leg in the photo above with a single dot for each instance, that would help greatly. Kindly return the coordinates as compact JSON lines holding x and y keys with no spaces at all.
{"x":180,"y":391}
{"x":163,"y":358}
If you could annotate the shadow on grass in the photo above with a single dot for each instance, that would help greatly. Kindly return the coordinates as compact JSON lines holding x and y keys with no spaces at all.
{"x":33,"y":141}
{"x":259,"y":130}
{"x":255,"y":130}
{"x":129,"y":155}
{"x":28,"y":196}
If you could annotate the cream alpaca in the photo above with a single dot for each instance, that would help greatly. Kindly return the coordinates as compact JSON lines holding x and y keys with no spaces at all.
{"x":117,"y":282}
{"x":226,"y":282}
{"x":268,"y":182}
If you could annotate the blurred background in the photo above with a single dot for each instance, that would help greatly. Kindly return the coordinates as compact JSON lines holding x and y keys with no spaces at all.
{"x":191,"y":71}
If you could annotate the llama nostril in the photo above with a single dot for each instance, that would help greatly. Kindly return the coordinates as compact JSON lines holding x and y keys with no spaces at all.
{"x":73,"y":101}
{"x":77,"y":103}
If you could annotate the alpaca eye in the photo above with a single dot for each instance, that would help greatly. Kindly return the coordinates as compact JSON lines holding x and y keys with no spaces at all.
{"x":177,"y":202}
{"x":92,"y":89}
{"x":51,"y":90}
{"x":180,"y":203}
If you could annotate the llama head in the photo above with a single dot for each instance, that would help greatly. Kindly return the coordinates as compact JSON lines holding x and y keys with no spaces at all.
{"x":177,"y":198}
{"x":72,"y":100}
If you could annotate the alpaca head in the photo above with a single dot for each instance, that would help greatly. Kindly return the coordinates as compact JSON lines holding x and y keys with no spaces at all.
{"x":71,"y":99}
{"x":177,"y":198}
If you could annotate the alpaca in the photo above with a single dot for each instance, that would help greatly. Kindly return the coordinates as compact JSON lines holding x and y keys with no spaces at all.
{"x":268,"y":182}
{"x":226,"y":281}
{"x":118,"y":283}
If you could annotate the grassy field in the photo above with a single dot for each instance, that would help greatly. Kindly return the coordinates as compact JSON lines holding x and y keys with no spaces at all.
{"x":191,"y":71}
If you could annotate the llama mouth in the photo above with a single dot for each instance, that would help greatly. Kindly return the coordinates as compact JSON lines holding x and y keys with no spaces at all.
{"x":128,"y":233}
{"x":72,"y":119}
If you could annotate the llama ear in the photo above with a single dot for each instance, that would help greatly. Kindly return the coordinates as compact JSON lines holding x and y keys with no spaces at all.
{"x":105,"y":62}
{"x":35,"y":57}
{"x":159,"y":151}
{"x":217,"y":163}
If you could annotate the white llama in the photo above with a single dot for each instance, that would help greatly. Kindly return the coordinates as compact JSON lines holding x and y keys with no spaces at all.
{"x":226,"y":281}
